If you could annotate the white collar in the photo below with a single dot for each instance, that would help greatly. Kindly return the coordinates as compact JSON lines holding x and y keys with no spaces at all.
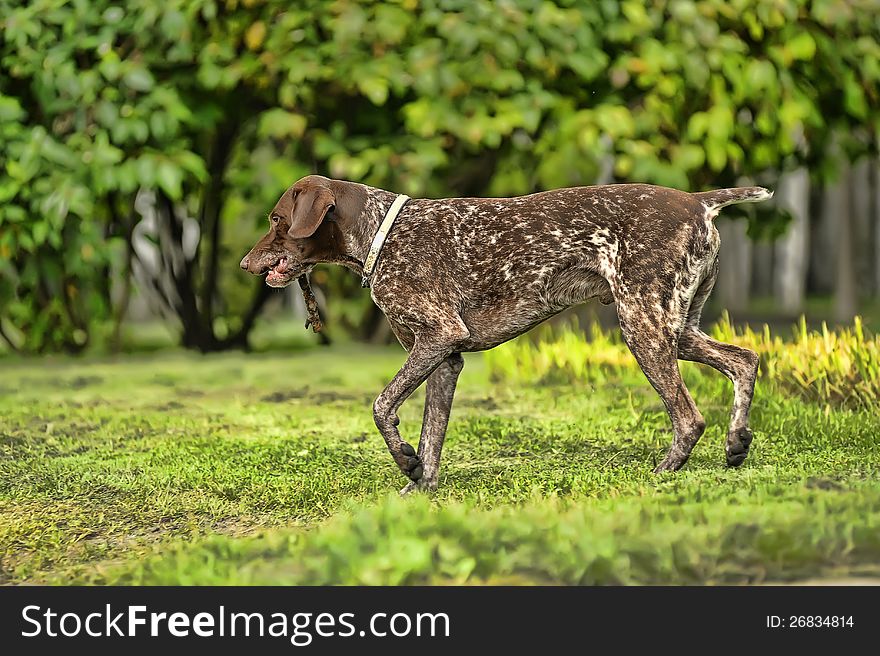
{"x":381,"y":235}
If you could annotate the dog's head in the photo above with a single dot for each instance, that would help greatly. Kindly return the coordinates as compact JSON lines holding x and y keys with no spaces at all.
{"x":299,"y":236}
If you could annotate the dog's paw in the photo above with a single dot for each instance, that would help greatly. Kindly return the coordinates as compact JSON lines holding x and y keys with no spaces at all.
{"x":738,"y":443}
{"x":672,"y":462}
{"x":410,"y":464}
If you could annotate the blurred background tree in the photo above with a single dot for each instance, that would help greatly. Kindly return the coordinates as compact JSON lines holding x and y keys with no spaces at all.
{"x":143,"y":143}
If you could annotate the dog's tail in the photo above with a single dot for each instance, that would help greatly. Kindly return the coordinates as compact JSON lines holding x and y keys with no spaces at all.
{"x":715,"y":200}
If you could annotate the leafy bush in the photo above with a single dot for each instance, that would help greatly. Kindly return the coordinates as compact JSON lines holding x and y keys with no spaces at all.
{"x":88,"y":119}
{"x":829,"y":366}
{"x":212,"y":107}
{"x":53,"y":253}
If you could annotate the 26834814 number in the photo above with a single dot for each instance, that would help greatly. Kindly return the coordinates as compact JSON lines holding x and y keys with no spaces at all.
{"x":810,"y":622}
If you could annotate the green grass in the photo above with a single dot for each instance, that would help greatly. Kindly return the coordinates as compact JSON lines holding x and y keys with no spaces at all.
{"x":839,"y":367}
{"x":267,"y":469}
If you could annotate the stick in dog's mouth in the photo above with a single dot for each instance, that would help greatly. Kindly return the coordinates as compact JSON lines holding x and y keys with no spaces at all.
{"x":314,"y":318}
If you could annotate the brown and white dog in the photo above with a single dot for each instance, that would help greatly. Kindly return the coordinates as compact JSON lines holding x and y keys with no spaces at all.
{"x":466,"y":274}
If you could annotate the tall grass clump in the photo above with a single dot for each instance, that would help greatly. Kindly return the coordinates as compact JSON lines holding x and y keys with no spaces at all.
{"x":839,"y":367}
{"x":561,"y":354}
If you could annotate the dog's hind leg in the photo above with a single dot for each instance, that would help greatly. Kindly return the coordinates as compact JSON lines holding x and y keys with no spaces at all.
{"x":438,"y":404}
{"x":653,"y":341}
{"x":739,"y":364}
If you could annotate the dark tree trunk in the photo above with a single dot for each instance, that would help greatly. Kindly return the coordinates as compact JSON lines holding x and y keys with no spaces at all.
{"x":209,"y":219}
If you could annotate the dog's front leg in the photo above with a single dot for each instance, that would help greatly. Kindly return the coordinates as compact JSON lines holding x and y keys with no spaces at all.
{"x":438,"y":403}
{"x":429,"y":350}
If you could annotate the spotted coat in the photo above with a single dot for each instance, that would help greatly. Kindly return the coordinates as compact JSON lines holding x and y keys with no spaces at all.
{"x":466,"y":274}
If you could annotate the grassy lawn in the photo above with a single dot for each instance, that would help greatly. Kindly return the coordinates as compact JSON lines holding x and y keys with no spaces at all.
{"x":267,"y":469}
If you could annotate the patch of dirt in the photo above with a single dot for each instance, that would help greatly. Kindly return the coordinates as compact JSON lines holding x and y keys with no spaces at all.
{"x":331,"y":396}
{"x":316,"y":396}
{"x":164,"y":380}
{"x":73,"y":429}
{"x":285,"y":395}
{"x":195,"y":393}
{"x":82,"y":381}
{"x":171,"y":405}
{"x":819,"y":483}
{"x":487,"y":403}
{"x":11,"y":440}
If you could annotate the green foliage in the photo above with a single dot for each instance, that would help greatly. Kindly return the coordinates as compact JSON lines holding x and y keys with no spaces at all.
{"x":533,"y":95}
{"x":52,"y":250}
{"x":85,"y":126}
{"x":219,"y":105}
{"x":840,"y":367}
{"x":156,"y":470}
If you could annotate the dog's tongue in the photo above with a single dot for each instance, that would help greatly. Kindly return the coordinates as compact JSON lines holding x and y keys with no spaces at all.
{"x":282,"y":266}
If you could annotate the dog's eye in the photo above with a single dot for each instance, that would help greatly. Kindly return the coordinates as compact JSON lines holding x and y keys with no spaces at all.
{"x":274,"y":219}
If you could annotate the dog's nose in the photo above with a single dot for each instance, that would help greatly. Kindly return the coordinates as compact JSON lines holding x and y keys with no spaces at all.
{"x":244,"y":263}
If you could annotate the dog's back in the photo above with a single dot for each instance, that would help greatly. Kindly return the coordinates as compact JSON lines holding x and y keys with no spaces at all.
{"x":511,"y":263}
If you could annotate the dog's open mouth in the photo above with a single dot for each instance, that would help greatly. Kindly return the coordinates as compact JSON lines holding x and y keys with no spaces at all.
{"x":280,"y":274}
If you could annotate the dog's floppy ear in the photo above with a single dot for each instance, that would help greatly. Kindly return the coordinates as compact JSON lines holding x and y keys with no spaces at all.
{"x":310,"y":208}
